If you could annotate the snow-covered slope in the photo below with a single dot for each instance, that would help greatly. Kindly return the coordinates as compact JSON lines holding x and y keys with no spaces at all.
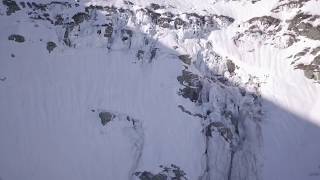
{"x":178,"y":89}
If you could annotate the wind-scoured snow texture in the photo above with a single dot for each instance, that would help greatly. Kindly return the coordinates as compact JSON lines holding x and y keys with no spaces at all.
{"x":110,"y":58}
{"x":289,"y":26}
{"x":290,"y":124}
{"x":158,"y":90}
{"x":122,"y":126}
{"x":47,"y":103}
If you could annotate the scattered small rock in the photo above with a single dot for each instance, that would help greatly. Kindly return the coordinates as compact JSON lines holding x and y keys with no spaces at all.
{"x":16,"y":37}
{"x":315,"y":51}
{"x":140,"y":55}
{"x":106,"y":117}
{"x":185,"y":59}
{"x":80,"y":17}
{"x":301,"y":53}
{"x":59,"y":20}
{"x":308,"y":73}
{"x":155,"y":6}
{"x":128,"y":2}
{"x":3,"y":78}
{"x":179,"y":23}
{"x":126,"y":34}
{"x":170,"y":172}
{"x":164,"y":22}
{"x":191,"y":86}
{"x":219,"y":127}
{"x":23,"y":4}
{"x":108,"y":31}
{"x":316,"y":61}
{"x":50,"y":46}
{"x":231,"y":66}
{"x":311,"y":71}
{"x":66,"y":38}
{"x":314,"y":174}
{"x":12,"y":6}
{"x":153,"y":53}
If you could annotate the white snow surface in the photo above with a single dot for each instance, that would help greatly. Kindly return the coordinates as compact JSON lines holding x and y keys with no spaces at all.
{"x":48,"y":129}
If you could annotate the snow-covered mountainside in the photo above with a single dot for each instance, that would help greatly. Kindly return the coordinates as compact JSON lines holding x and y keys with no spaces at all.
{"x":160,"y":90}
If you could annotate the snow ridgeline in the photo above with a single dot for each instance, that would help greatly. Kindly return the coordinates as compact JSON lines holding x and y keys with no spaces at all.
{"x":227,"y":104}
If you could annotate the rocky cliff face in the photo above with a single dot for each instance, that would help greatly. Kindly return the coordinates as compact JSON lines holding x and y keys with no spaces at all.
{"x":212,"y":87}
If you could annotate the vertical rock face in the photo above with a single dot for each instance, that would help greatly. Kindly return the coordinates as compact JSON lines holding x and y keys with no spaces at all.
{"x":232,"y":117}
